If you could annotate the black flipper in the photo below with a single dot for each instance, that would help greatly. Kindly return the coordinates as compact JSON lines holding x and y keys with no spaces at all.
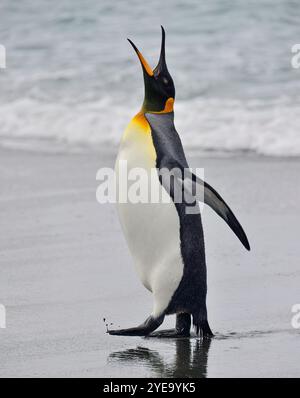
{"x":170,"y":155}
{"x":214,"y":200}
{"x":144,"y":329}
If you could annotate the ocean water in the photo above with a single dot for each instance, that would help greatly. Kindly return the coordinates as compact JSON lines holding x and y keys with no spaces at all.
{"x":73,"y":79}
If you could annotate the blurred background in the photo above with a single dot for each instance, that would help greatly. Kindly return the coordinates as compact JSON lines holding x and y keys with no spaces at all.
{"x":73,"y":79}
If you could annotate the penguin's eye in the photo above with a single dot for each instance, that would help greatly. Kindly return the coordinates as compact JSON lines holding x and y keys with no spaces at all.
{"x":165,"y":80}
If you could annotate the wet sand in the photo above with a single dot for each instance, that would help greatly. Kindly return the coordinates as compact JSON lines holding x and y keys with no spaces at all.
{"x":64,"y":266}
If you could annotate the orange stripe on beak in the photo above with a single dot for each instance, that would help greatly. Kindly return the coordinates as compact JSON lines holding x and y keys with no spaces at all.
{"x":144,"y":63}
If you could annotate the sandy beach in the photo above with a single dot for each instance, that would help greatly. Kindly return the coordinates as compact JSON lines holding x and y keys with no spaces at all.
{"x":64,"y":266}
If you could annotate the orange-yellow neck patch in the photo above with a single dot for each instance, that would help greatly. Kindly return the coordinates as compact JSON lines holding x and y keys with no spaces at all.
{"x":169,"y":106}
{"x":141,"y":122}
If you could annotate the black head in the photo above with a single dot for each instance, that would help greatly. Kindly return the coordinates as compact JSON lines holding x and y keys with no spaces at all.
{"x":159,"y":86}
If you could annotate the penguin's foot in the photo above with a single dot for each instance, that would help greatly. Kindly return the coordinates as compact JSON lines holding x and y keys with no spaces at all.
{"x":127,"y":332}
{"x":144,"y":329}
{"x":182,"y":328}
{"x":202,"y":329}
{"x":170,"y":333}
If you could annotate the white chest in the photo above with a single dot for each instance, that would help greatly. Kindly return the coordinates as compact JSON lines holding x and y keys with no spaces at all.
{"x":151,"y":229}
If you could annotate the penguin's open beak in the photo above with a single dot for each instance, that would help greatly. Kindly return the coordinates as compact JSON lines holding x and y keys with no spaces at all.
{"x":161,"y":66}
{"x":146,"y":67}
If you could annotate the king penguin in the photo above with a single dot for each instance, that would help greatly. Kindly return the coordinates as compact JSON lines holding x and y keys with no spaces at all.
{"x":166,"y":241}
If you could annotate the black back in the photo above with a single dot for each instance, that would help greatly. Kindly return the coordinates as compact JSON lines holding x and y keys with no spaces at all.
{"x":190,"y":295}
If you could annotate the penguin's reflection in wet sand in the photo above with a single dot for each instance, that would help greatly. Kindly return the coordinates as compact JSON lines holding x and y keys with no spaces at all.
{"x":190,"y":360}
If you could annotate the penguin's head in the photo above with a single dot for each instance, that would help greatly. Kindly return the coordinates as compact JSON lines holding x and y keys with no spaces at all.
{"x":159,"y":86}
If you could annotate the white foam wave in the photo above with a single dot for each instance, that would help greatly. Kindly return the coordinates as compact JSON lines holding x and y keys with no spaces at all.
{"x":268,"y":128}
{"x":265,"y":127}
